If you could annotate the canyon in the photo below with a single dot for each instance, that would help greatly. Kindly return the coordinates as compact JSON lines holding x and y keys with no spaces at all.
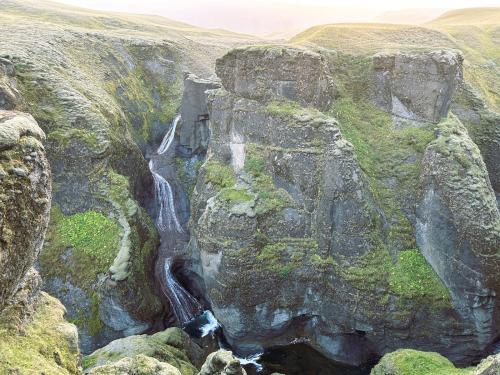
{"x":178,"y":200}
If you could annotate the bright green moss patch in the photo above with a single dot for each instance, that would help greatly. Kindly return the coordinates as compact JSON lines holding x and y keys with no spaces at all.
{"x":42,"y":347}
{"x":91,"y":235}
{"x":413,"y":362}
{"x":235,"y":195}
{"x":269,"y":197}
{"x":412,"y":278}
{"x":220,"y":175}
{"x":81,"y":247}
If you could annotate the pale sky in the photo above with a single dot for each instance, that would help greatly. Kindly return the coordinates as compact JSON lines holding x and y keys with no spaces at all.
{"x":267,"y":16}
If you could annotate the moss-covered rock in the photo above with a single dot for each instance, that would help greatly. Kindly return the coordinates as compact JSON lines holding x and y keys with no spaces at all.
{"x":413,"y":362}
{"x":172,"y":346}
{"x":46,"y":343}
{"x":138,"y":365}
{"x":25,"y":195}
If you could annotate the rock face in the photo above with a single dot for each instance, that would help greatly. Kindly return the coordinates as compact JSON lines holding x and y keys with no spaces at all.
{"x":45,"y":343}
{"x":194,"y":132}
{"x":24,"y":205}
{"x":416,"y":87}
{"x":9,"y":95}
{"x":34,"y":337}
{"x":260,"y":72}
{"x":461,"y":241}
{"x":301,"y":235}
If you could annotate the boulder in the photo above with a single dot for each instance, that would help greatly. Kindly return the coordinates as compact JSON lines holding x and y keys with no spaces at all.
{"x":277,"y":71}
{"x":222,"y":362}
{"x":171,"y":346}
{"x":137,"y":365}
{"x":416,"y":86}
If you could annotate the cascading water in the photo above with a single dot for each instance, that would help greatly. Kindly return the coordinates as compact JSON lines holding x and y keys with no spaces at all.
{"x":167,"y":218}
{"x":169,"y":137}
{"x":185,"y":306}
{"x":188,"y":311}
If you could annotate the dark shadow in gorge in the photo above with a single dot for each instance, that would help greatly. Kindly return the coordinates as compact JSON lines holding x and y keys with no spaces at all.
{"x":301,"y":359}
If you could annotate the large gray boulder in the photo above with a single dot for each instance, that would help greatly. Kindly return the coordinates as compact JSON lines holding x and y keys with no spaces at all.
{"x":416,"y":86}
{"x":264,"y":72}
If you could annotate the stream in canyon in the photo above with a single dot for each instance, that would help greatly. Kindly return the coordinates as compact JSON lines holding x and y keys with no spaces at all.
{"x":190,"y":313}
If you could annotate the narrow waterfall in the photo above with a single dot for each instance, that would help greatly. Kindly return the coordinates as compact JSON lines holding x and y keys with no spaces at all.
{"x":185,"y":306}
{"x":169,"y":137}
{"x":167,"y":217}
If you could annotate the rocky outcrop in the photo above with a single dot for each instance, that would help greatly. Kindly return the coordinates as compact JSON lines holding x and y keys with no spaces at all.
{"x":24,"y":206}
{"x":34,"y":337}
{"x":265,"y":72}
{"x":45,"y":343}
{"x":172,"y":346}
{"x":222,"y":362}
{"x":301,"y":235}
{"x":9,"y":94}
{"x":416,"y":87}
{"x":458,"y":227}
{"x":489,"y":366}
{"x":410,"y":362}
{"x":138,"y":365}
{"x":194,"y":132}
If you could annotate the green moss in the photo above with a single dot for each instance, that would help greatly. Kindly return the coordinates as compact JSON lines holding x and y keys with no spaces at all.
{"x":235,"y":195}
{"x":62,"y":138}
{"x":188,"y":175}
{"x":269,"y":197}
{"x":413,"y":362}
{"x":220,"y":175}
{"x":413,"y":278}
{"x":81,"y":246}
{"x":41,"y":346}
{"x":390,"y":158}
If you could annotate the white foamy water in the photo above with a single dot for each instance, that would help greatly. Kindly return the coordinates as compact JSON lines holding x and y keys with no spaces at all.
{"x":212,"y":324}
{"x":167,"y":217}
{"x":252,"y":360}
{"x":169,"y":137}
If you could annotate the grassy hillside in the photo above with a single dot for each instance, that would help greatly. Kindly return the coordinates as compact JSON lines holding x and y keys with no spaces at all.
{"x":473,"y":31}
{"x":476,"y":32}
{"x":370,"y":38}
